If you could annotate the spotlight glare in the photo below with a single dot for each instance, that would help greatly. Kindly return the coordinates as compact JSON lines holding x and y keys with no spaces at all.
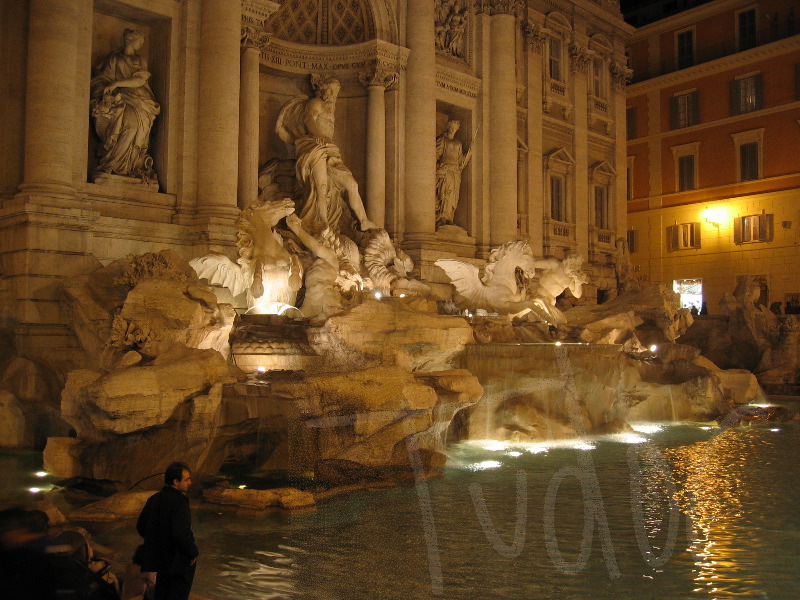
{"x":34,"y":490}
{"x":41,"y":473}
{"x":558,"y":343}
{"x":241,"y":487}
{"x":378,"y":295}
{"x":261,"y":369}
{"x":653,"y":348}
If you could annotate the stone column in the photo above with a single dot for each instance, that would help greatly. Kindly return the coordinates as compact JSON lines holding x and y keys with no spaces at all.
{"x":50,"y":98}
{"x":218,"y":119}
{"x":420,"y":193}
{"x":376,"y":81}
{"x":536,"y":42}
{"x":503,"y":127}
{"x":253,"y":41}
{"x":580,"y":59}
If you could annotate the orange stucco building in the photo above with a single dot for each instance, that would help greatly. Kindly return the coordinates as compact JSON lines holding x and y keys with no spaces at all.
{"x":713,"y":116}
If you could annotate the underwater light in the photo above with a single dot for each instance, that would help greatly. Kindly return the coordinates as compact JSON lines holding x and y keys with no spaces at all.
{"x":653,"y":348}
{"x":241,"y":487}
{"x":378,"y":295}
{"x":705,"y":428}
{"x":34,"y":490}
{"x":261,"y":369}
{"x":41,"y":473}
{"x":514,"y":453}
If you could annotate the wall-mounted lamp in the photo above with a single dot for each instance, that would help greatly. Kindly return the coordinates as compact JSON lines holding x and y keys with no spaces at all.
{"x":714,"y":216}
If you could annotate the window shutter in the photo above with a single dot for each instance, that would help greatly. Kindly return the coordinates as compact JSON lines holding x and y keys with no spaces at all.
{"x":672,"y":238}
{"x":735,"y":106}
{"x":695,"y":235}
{"x":673,"y":112}
{"x":765,"y":231}
{"x":759,"y":80}
{"x":738,"y":223}
{"x":633,"y":244}
{"x":694,"y":108}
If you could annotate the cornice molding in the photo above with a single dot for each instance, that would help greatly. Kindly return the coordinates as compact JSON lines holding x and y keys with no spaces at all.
{"x":731,"y":61}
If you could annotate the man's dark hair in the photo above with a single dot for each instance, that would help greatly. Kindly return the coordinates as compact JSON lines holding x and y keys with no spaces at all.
{"x":175,"y":471}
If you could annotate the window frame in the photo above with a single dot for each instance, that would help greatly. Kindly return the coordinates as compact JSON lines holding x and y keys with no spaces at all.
{"x":683,"y":236}
{"x":684,"y":104}
{"x":602,"y":208}
{"x":681,"y":61}
{"x":557,"y":60}
{"x":682,"y":151}
{"x":564,"y":208}
{"x":740,"y":45}
{"x":743,"y":102}
{"x":749,"y":137}
{"x":751,"y":229}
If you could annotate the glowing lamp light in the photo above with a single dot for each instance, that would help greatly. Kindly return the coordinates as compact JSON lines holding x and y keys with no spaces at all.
{"x":775,"y":429}
{"x":34,"y":490}
{"x":714,"y":216}
{"x":558,"y":343}
{"x":402,"y":295}
{"x":241,"y":487}
{"x":378,"y":295}
{"x":653,"y":348}
{"x":261,"y":370}
{"x":41,"y":473}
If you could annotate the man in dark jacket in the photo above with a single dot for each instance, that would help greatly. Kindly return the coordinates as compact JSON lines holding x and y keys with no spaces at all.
{"x":166,"y":526}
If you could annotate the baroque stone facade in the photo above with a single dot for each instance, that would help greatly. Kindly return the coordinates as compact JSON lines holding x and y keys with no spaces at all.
{"x":536,"y":84}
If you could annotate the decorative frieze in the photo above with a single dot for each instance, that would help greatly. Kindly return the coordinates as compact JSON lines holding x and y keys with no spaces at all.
{"x":579,"y":58}
{"x":357,"y":57}
{"x":499,"y":7}
{"x":458,"y":82}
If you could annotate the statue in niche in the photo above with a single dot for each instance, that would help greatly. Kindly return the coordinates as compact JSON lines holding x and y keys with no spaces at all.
{"x":124,"y":108}
{"x":450,"y":161}
{"x":266,"y":270}
{"x":504,"y":284}
{"x":308,"y":125}
{"x":450,"y":25}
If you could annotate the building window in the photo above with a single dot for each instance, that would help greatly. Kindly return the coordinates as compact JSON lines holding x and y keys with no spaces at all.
{"x":747,"y":29}
{"x":685,"y":48}
{"x":684,"y":110}
{"x":748,"y":161}
{"x":685,"y":157}
{"x":598,"y":78}
{"x":556,"y":59}
{"x":749,"y":156}
{"x":630,"y":122}
{"x":686,"y":173}
{"x":629,"y":177}
{"x":558,"y":198}
{"x":633,"y":241}
{"x":747,"y":94}
{"x":753,"y":228}
{"x":682,"y":236}
{"x":601,"y":207}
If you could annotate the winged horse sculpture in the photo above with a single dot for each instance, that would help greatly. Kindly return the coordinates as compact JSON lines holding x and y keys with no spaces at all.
{"x":504,"y":285}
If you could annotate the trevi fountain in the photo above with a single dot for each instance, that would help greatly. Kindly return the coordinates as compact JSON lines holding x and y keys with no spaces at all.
{"x":393,"y":370}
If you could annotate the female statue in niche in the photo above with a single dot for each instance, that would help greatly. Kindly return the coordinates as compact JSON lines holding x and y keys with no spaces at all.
{"x":450,"y":161}
{"x":124,"y":108}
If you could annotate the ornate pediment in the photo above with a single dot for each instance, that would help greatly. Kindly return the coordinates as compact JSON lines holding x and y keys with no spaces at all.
{"x":560,"y":155}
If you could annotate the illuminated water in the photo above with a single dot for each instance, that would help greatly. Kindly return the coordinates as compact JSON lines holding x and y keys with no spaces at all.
{"x":733,"y":532}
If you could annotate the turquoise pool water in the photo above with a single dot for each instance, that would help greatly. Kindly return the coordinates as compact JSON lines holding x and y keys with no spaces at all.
{"x":676,"y":512}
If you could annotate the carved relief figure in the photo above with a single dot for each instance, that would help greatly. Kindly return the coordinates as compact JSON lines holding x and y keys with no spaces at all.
{"x":266,"y":270}
{"x":451,"y":22}
{"x":558,"y":276}
{"x":124,"y":108}
{"x":308,"y":125}
{"x":450,"y":161}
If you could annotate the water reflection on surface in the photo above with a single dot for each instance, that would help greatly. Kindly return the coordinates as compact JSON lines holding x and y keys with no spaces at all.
{"x":715,"y":511}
